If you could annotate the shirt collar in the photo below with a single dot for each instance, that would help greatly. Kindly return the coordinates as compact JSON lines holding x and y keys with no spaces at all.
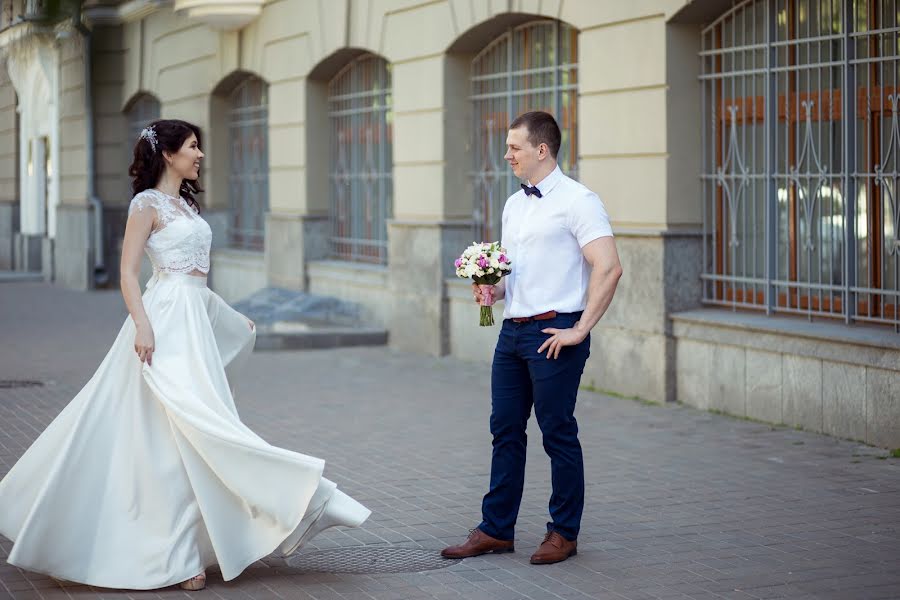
{"x":550,"y":181}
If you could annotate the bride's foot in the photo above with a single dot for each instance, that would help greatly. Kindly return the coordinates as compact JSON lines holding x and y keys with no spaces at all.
{"x":195,"y":583}
{"x":340,"y":511}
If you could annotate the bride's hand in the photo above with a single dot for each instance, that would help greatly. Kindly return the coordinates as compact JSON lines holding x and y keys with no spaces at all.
{"x":144,"y":343}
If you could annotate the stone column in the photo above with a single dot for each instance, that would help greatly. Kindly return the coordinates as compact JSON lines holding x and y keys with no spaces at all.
{"x":72,"y":247}
{"x":112,"y":145}
{"x":432,"y":201}
{"x":640,"y":147}
{"x":9,"y":177}
{"x":297,"y":223}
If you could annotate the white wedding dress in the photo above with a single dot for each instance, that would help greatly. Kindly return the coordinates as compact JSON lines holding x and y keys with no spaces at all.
{"x":149,"y":476}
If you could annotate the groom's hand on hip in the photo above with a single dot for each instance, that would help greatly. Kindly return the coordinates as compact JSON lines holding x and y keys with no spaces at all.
{"x":559,"y":338}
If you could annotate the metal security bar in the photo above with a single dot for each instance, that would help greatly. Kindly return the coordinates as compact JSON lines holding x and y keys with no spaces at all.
{"x":249,"y":174}
{"x":800,"y":158}
{"x":359,"y":105}
{"x":531,"y":67}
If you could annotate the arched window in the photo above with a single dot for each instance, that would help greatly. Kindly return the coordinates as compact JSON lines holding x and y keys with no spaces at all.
{"x":801,"y":158}
{"x":530,"y":67}
{"x":248,"y":174}
{"x":359,"y":108}
{"x":141,"y":111}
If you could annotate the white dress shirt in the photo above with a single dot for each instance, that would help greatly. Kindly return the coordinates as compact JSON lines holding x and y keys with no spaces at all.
{"x":543,"y":238}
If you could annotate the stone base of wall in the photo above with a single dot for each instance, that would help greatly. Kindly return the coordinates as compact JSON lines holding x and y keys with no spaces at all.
{"x":362,"y":284}
{"x":629,"y":362}
{"x":9,"y":225}
{"x":26,"y":252}
{"x":292,"y":241}
{"x":235,"y":274}
{"x":468,"y":340}
{"x":823,"y":377}
{"x":114,"y":218}
{"x":73,"y":264}
{"x":421,"y":256}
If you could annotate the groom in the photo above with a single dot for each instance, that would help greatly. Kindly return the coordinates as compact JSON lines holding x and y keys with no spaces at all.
{"x":565,"y":272}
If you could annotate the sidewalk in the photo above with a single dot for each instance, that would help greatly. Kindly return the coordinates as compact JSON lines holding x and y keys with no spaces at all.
{"x":681,"y":504}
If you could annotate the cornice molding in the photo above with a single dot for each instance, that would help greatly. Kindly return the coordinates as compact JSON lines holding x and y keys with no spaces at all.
{"x":127,"y":12}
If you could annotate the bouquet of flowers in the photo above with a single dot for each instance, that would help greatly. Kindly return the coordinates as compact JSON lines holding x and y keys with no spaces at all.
{"x":485,"y":264}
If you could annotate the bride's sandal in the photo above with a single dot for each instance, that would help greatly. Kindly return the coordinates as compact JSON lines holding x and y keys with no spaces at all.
{"x":195,"y":583}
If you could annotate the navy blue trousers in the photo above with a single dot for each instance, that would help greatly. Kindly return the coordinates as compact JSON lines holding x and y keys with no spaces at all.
{"x":522,"y":378}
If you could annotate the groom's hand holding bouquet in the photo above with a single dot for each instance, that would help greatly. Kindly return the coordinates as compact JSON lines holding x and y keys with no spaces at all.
{"x":485,"y":264}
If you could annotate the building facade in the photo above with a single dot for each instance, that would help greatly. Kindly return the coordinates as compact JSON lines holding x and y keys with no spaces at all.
{"x":746,"y":151}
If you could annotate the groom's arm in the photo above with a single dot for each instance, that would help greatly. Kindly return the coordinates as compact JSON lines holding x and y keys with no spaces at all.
{"x":605,"y":273}
{"x":606,"y":270}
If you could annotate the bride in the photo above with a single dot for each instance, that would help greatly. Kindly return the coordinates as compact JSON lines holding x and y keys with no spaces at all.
{"x":149,"y":476}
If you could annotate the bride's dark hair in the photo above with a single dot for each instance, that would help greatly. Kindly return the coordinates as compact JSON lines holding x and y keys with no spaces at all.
{"x":149,"y":165}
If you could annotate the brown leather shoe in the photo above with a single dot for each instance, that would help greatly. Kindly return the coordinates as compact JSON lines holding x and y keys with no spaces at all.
{"x":555,"y":548}
{"x":476,"y":544}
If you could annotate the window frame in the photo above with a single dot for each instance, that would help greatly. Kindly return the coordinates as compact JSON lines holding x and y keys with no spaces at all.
{"x":501,"y":64}
{"x":861,"y":238}
{"x":248,"y":160}
{"x":361,"y":188}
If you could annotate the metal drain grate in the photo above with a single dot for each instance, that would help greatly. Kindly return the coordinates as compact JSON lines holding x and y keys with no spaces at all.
{"x":370,"y":560}
{"x":8,"y":384}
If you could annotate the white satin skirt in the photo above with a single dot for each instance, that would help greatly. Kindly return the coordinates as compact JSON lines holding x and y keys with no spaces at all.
{"x":148,"y":476}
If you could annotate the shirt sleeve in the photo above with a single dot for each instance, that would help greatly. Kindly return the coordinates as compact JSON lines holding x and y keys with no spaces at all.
{"x":588,"y":220}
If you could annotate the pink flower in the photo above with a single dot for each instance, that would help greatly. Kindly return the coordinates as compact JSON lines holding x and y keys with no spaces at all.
{"x":483,"y":262}
{"x":503,"y":259}
{"x":457,"y":263}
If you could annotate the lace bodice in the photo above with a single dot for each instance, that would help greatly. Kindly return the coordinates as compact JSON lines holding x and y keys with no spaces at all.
{"x":181,"y":240}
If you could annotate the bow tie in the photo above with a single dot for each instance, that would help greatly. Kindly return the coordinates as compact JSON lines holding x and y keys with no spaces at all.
{"x":531,"y":190}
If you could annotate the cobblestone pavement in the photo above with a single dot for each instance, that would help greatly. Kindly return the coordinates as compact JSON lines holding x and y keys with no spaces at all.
{"x":680,"y":503}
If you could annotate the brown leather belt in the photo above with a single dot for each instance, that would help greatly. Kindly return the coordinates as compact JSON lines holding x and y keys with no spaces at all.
{"x":550,"y":314}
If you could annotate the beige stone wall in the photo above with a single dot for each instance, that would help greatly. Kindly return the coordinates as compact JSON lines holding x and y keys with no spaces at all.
{"x":179,"y":62}
{"x":9,"y":170}
{"x":9,"y":140}
{"x":182,"y":62}
{"x":111,"y":143}
{"x":72,"y":133}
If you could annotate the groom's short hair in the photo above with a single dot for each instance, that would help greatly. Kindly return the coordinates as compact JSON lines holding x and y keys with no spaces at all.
{"x":542,"y":129}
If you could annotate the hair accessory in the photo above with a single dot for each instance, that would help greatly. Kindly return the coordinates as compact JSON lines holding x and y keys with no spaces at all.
{"x":149,"y":134}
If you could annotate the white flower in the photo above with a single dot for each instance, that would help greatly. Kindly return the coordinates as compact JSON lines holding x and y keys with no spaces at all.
{"x":486,"y":253}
